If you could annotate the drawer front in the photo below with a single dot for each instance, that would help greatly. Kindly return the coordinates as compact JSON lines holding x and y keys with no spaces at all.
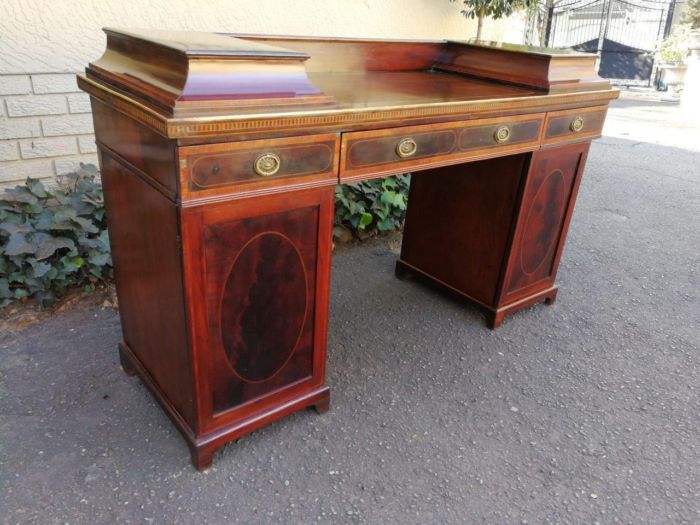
{"x":242,"y":167}
{"x":370,"y":154}
{"x":574,"y":124}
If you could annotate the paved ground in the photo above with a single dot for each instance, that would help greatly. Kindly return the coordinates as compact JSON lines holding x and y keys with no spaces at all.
{"x":587,"y":411}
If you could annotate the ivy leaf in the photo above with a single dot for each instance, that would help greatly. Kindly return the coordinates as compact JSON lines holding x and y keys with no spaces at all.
{"x":46,"y":245}
{"x":365,"y":220}
{"x":21,"y":194}
{"x":39,"y":268}
{"x":18,"y":245}
{"x":89,"y":170}
{"x":386,"y":224}
{"x":388,"y":197}
{"x":20,"y":293}
{"x":5,"y":265}
{"x":399,"y":201}
{"x":5,"y":291}
{"x":85,"y":224}
{"x":12,"y":228}
{"x":100,"y":259}
{"x":104,"y":239}
{"x":37,"y":188}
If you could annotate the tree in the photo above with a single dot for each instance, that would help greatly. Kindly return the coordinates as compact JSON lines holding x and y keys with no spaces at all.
{"x":692,"y":14}
{"x":495,"y":9}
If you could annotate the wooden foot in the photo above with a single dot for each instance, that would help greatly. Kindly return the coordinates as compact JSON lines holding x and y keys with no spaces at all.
{"x":551,"y":297}
{"x":402,"y":272}
{"x":126,"y":363}
{"x":494,"y":319}
{"x":201,"y":457}
{"x":323,"y":405}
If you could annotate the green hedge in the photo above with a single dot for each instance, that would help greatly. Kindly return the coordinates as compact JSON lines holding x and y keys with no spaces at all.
{"x":52,"y":239}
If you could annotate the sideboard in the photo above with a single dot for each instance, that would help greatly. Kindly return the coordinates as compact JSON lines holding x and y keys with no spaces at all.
{"x":219,"y":156}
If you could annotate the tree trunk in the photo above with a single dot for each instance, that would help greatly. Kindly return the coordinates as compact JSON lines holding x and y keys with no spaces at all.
{"x":479,"y":26}
{"x":542,"y":27}
{"x":545,"y":21}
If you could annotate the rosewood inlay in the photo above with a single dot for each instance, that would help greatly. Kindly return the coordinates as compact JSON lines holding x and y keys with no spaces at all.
{"x":543,"y":222}
{"x":263,"y":307}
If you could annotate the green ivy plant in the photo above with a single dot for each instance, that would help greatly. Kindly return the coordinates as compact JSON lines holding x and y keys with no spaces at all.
{"x":53,"y":238}
{"x":369,"y":207}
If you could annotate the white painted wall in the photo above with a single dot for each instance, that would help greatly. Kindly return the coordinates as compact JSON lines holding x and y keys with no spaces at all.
{"x":45,"y":126}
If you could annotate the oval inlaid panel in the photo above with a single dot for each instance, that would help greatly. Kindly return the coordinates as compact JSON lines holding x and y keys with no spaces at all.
{"x":263,"y":308}
{"x":543,"y":222}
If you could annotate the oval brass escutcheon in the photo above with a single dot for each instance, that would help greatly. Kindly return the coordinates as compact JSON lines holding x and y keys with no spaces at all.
{"x":502,"y":134}
{"x":267,"y":164}
{"x":406,"y":147}
{"x":577,"y":124}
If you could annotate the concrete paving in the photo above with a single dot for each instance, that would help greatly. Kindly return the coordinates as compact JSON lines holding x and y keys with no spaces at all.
{"x":587,"y":411}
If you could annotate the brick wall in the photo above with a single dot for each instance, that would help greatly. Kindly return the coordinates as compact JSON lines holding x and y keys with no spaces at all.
{"x":45,"y":127}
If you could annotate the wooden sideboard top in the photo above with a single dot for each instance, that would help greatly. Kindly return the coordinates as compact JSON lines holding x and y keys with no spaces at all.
{"x":190,"y":85}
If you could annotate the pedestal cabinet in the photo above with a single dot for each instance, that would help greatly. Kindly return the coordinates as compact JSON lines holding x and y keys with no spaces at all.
{"x":258,"y":296}
{"x":493,"y":231}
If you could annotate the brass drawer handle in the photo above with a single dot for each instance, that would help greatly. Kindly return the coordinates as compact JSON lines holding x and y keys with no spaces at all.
{"x":406,"y":147}
{"x":577,"y":124}
{"x":267,"y":164}
{"x":502,"y":134}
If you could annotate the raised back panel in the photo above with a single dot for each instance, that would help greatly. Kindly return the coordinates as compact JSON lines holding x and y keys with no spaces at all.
{"x":338,"y":54}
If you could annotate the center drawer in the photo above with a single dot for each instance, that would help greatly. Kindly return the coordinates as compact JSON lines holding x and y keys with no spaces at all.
{"x":374,"y":154}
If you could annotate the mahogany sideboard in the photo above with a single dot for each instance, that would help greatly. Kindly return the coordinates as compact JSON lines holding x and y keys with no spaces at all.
{"x":219,"y":157}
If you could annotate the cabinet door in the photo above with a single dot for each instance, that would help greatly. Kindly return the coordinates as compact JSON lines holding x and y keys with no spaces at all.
{"x":543,"y":219}
{"x":259,"y":299}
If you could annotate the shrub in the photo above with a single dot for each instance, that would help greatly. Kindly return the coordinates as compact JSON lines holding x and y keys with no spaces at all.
{"x":53,"y":238}
{"x":366,"y":208}
{"x":674,"y":49}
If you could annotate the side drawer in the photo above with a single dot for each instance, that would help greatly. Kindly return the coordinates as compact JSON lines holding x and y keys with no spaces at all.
{"x":372,"y":154}
{"x":258,"y":165}
{"x":574,"y":124}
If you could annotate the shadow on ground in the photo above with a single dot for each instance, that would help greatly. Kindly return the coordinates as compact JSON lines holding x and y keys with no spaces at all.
{"x":586,"y":411}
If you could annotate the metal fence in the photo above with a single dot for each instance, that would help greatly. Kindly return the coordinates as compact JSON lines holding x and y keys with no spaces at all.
{"x":624,"y":33}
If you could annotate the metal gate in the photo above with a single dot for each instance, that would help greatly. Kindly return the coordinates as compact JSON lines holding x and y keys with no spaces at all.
{"x":624,"y":33}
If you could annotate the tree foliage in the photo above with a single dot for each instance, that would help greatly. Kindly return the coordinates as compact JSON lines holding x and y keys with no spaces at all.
{"x":481,"y":9}
{"x":692,"y":14}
